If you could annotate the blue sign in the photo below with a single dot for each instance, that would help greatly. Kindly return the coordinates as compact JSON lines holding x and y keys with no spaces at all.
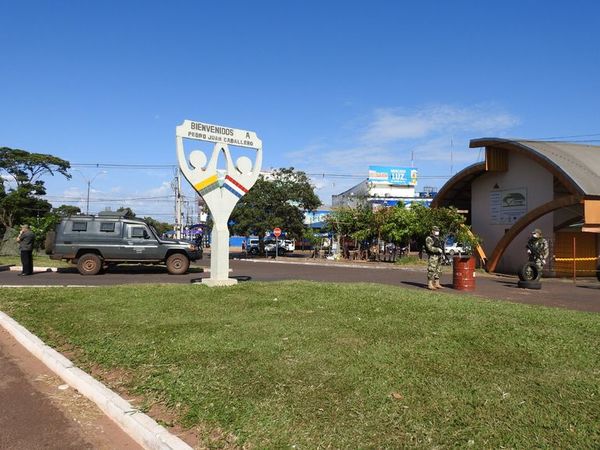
{"x":400,"y":176}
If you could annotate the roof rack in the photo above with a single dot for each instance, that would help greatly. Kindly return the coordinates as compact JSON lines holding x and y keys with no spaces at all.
{"x":117,"y":214}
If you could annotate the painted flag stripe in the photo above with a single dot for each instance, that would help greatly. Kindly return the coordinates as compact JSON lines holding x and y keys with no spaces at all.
{"x":203,"y":184}
{"x":232,"y":190}
{"x":244,"y":190}
{"x":208,"y":189}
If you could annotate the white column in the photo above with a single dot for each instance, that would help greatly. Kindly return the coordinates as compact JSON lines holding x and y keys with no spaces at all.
{"x":219,"y":257}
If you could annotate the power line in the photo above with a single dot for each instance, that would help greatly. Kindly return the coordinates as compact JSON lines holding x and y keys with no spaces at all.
{"x":172,"y":166}
{"x":124,"y":199}
{"x":124,"y":166}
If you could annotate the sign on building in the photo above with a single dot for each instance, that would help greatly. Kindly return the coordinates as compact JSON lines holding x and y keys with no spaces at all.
{"x":399,"y":176}
{"x":507,"y":205}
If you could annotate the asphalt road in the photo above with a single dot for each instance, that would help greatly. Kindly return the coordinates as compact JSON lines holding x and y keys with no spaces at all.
{"x":583,"y":295}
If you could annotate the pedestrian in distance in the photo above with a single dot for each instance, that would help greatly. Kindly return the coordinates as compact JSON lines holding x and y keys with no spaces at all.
{"x":25,"y":240}
{"x":435,"y":252}
{"x":537,"y":250}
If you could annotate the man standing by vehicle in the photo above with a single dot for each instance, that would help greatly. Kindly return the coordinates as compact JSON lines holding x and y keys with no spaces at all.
{"x":435,"y":252}
{"x":537,"y":249}
{"x":25,"y":240}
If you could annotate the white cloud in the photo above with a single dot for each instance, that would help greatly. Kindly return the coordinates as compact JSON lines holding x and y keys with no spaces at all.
{"x":163,"y":190}
{"x":391,"y":125}
{"x":437,"y":136}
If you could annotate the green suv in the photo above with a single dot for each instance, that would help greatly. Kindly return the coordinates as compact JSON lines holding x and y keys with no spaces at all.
{"x":95,"y":242}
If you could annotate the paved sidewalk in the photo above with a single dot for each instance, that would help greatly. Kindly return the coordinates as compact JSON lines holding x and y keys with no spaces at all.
{"x":39,"y":411}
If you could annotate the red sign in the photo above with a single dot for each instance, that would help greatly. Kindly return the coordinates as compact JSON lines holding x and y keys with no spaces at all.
{"x":277,"y":232}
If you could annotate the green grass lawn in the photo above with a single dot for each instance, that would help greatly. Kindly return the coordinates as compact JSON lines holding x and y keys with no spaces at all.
{"x":40,"y":260}
{"x":315,"y":365}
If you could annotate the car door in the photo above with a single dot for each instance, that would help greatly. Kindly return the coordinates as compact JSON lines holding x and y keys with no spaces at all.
{"x":139,"y":244}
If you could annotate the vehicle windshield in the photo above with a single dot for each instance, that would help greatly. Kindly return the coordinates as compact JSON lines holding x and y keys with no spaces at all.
{"x":154,"y":232}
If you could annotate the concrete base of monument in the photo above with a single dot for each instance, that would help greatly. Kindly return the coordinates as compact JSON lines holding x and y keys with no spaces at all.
{"x":216,"y":283}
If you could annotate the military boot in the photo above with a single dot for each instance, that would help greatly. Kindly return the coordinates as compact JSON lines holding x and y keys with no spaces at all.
{"x":430,"y":285}
{"x":437,"y":285}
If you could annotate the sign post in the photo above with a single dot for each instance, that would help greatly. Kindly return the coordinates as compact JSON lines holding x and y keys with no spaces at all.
{"x":220,"y":189}
{"x":277,"y":233}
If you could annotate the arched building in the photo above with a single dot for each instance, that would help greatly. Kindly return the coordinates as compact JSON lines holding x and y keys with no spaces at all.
{"x":522,"y":185}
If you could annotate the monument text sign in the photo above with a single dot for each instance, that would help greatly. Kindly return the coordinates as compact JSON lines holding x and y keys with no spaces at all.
{"x":220,"y":189}
{"x":219,"y":134}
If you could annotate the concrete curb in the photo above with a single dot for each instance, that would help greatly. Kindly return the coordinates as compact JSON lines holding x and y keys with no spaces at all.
{"x":349,"y":265}
{"x":35,"y":269}
{"x":144,"y":430}
{"x":332,"y":264}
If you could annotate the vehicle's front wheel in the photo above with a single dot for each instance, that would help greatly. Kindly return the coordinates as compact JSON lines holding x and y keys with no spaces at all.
{"x":178,"y":264}
{"x":89,"y":264}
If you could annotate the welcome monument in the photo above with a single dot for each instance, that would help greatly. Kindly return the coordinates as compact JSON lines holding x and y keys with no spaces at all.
{"x":220,"y":189}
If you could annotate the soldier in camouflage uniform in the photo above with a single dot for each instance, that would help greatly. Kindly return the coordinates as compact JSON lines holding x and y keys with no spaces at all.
{"x":435,"y":251}
{"x":537,"y":249}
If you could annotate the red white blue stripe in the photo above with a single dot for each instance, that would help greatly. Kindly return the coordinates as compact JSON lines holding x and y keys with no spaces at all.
{"x":234,"y":187}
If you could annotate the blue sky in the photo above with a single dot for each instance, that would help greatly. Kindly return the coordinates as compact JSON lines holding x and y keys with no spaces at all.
{"x":330,"y":87}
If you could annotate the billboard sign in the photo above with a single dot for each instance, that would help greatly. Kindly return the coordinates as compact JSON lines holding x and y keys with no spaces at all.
{"x":399,"y":176}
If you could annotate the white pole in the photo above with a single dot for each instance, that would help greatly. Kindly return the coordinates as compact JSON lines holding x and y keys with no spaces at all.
{"x":178,"y":206}
{"x":87,"y":205}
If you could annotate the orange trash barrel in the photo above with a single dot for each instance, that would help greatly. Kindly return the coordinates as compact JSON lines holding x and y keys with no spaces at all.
{"x":463,"y":271}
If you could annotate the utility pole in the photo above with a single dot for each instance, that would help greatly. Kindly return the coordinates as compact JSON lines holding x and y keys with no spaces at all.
{"x":177,"y":205}
{"x":89,"y":182}
{"x":87,"y":203}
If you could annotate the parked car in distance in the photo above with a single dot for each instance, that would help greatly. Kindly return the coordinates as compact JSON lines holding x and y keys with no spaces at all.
{"x":455,"y":248}
{"x":271,"y":244}
{"x":252,"y":246}
{"x":290,"y":245}
{"x":95,"y":242}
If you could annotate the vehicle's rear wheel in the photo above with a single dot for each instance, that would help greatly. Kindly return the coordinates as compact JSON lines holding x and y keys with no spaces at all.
{"x":177,"y":264}
{"x":89,"y":264}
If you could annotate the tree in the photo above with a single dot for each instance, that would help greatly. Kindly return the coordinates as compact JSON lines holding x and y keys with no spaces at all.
{"x":399,"y":224}
{"x":27,"y":168}
{"x":356,"y":222}
{"x":66,"y":210}
{"x":21,"y":203}
{"x":449,"y":221}
{"x":160,"y":227}
{"x":400,"y":227}
{"x":278,"y":202}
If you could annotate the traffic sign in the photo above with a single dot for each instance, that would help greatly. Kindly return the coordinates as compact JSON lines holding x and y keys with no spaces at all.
{"x":277,"y":232}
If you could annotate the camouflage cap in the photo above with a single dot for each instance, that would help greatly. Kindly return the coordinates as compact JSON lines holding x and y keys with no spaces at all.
{"x":435,"y":229}
{"x":537,"y":231}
